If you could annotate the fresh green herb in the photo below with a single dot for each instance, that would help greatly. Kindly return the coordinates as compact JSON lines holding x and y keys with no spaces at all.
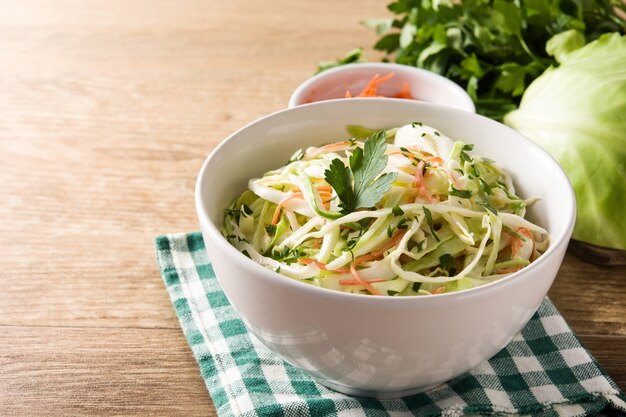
{"x":288,"y":255}
{"x":493,"y":48}
{"x":464,"y":156}
{"x":247,"y":211}
{"x":402,"y":224}
{"x":415,"y":124}
{"x":484,"y":186}
{"x":351,"y":244}
{"x":431,"y":225}
{"x":513,"y":232}
{"x":397,"y":211}
{"x":437,"y":133}
{"x":445,"y":261}
{"x":297,"y":155}
{"x":460,"y":193}
{"x":353,"y":226}
{"x":403,"y":149}
{"x":392,"y":292}
{"x":351,"y":57}
{"x":360,"y":186}
{"x":416,"y":286}
{"x":234,"y":213}
{"x":283,"y":253}
{"x":364,"y":223}
{"x":278,"y":269}
{"x":475,"y":172}
{"x":270,"y":229}
{"x":487,"y":206}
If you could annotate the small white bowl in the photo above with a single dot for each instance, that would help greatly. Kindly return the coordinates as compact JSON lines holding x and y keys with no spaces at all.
{"x":382,"y":347}
{"x":423,"y":85}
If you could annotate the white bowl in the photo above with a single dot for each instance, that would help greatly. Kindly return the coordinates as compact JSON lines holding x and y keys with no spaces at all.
{"x":423,"y":85}
{"x":382,"y":347}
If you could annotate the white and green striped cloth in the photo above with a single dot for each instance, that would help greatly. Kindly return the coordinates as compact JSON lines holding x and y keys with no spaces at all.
{"x":544,"y":371}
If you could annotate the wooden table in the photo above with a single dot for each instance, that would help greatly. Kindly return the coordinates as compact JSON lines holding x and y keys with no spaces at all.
{"x":107,"y":111}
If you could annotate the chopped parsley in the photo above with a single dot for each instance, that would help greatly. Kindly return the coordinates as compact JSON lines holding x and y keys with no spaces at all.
{"x":397,"y":211}
{"x":460,"y":193}
{"x":431,"y":225}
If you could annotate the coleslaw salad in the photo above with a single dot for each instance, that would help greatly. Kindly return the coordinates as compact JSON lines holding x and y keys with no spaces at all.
{"x":447,"y":220}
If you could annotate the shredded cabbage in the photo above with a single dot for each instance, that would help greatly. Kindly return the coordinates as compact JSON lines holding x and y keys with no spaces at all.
{"x":452,"y":225}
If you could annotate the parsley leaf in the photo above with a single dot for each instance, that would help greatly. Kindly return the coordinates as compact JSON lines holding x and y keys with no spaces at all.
{"x":397,"y":211}
{"x":445,"y":261}
{"x":359,"y":185}
{"x":487,"y":206}
{"x":431,"y":224}
{"x":460,"y":193}
{"x":492,"y":48}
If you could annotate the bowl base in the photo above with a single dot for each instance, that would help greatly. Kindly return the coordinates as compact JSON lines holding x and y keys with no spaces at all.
{"x":379,"y":395}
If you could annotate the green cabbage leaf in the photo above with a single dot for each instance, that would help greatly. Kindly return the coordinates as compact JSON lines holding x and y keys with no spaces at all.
{"x":577,"y":112}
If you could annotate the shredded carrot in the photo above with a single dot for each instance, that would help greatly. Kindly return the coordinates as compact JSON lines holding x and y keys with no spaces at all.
{"x":280,"y":205}
{"x":434,"y":159}
{"x":405,"y":92}
{"x":327,"y":148}
{"x":517,"y":243}
{"x":322,"y":265}
{"x":371,"y":89}
{"x":362,"y":280}
{"x":378,"y":253}
{"x":370,"y":257}
{"x":327,"y":195}
{"x":407,"y":154}
{"x":439,"y":290}
{"x":356,"y":282}
{"x":419,"y":181}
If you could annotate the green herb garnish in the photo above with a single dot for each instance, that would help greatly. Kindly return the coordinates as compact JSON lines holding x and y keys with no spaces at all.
{"x":359,"y":185}
{"x":487,"y":206}
{"x":397,"y":211}
{"x":460,"y":193}
{"x":445,"y":261}
{"x":431,"y":225}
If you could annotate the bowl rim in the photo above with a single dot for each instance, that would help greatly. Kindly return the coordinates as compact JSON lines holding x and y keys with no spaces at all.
{"x":207,"y":225}
{"x":296,"y":97}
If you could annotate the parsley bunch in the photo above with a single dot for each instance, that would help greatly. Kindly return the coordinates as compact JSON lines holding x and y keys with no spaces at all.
{"x":492,"y":48}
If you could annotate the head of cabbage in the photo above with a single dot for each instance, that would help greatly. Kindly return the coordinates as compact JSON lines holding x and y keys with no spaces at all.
{"x":577,"y":112}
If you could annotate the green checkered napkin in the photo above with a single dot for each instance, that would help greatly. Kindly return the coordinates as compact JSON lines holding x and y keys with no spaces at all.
{"x":544,"y":371}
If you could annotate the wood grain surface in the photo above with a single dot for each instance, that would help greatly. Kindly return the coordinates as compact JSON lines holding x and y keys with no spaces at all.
{"x":107,"y":111}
